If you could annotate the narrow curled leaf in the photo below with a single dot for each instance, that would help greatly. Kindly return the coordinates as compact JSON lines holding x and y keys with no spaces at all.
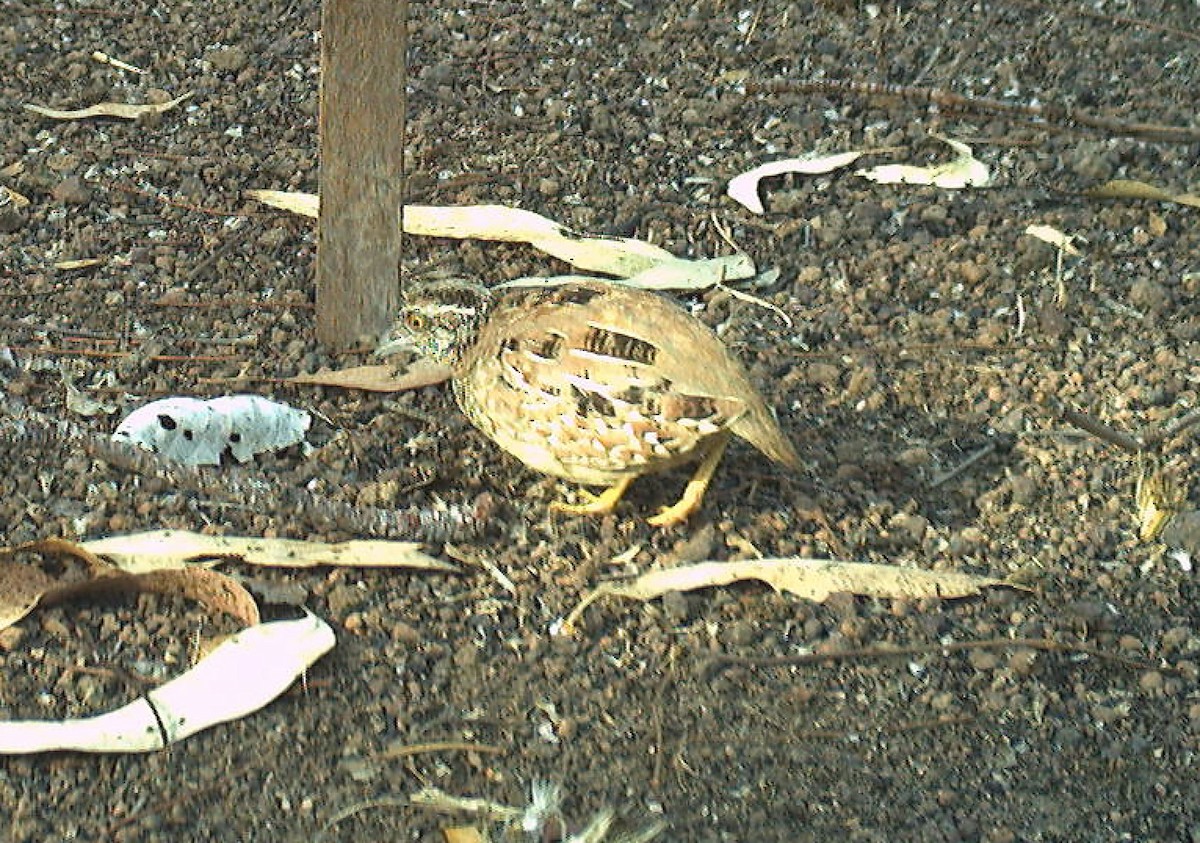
{"x":158,"y":550}
{"x":80,"y":263}
{"x":743,"y":188}
{"x":122,"y":110}
{"x":25,"y":585}
{"x":963,"y":171}
{"x":237,"y":678}
{"x":812,"y":579}
{"x":1054,"y":237}
{"x":304,"y":204}
{"x":379,"y":378}
{"x":1132,"y":189}
{"x":8,"y":196}
{"x":618,"y":256}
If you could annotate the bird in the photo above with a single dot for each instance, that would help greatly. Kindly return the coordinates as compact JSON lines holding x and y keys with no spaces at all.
{"x":590,"y":381}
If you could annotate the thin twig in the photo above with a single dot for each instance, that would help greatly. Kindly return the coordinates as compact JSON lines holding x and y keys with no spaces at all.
{"x":113,"y":355}
{"x":1156,"y":437}
{"x":971,"y":459}
{"x":94,"y":11}
{"x":1138,"y":22}
{"x":232,"y":241}
{"x":480,"y":561}
{"x":1103,"y":431}
{"x":173,"y":203}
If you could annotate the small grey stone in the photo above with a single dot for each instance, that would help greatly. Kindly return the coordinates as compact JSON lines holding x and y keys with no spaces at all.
{"x":72,"y":191}
{"x":228,"y":59}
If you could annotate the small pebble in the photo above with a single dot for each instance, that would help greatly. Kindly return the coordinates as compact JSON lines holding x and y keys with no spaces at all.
{"x":740,"y":634}
{"x":1149,"y":295}
{"x":72,"y":191}
{"x":1022,"y":662}
{"x":983,"y":659}
{"x":342,"y":598}
{"x":823,"y":374}
{"x":676,"y":607}
{"x":228,"y":59}
{"x":405,"y":633}
{"x":942,"y":702}
{"x":1151,"y":682}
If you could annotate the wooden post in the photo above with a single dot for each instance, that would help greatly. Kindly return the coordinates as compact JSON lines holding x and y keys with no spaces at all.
{"x":362,"y":167}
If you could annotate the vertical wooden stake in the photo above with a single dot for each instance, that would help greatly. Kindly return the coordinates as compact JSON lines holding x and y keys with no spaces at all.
{"x":362,"y":167}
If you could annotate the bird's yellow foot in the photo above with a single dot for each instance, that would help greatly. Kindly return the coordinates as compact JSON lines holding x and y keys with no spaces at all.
{"x":693,"y":493}
{"x":600,"y":504}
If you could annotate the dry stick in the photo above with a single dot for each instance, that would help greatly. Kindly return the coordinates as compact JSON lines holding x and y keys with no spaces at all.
{"x":24,"y":426}
{"x":129,"y":678}
{"x":258,"y":304}
{"x":1047,"y":112}
{"x":1094,"y":426}
{"x":1045,"y":644}
{"x":1148,"y":441}
{"x":947,"y":476}
{"x":1103,"y":431}
{"x":1138,"y":22}
{"x":166,"y":156}
{"x":231,"y":242}
{"x":110,"y":338}
{"x":1171,"y":430}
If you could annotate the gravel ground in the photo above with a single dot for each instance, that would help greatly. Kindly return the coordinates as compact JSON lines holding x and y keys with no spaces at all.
{"x":927,"y":335}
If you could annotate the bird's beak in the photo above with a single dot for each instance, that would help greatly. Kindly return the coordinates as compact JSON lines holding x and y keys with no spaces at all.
{"x":394,"y":345}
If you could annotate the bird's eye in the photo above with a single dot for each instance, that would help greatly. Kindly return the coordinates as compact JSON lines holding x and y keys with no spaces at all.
{"x":414,"y":321}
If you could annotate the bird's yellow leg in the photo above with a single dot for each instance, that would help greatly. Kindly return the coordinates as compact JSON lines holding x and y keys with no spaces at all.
{"x":600,"y":504}
{"x":693,"y":493}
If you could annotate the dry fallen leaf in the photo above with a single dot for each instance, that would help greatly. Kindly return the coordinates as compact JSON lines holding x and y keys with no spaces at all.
{"x":240,"y":676}
{"x":743,"y":188}
{"x":1054,"y":237}
{"x":25,"y":585}
{"x":812,"y":579}
{"x":243,"y":674}
{"x":964,"y":171}
{"x":80,"y":263}
{"x":619,"y":256}
{"x":699,"y":274}
{"x":22,"y":585}
{"x":83,"y":404}
{"x":125,"y":111}
{"x":1132,"y":189}
{"x":304,"y":204}
{"x":161,"y":550}
{"x":379,"y":378}
{"x":10,"y":196}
